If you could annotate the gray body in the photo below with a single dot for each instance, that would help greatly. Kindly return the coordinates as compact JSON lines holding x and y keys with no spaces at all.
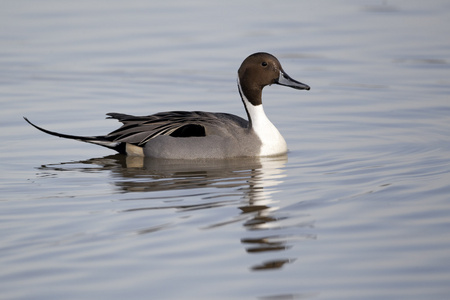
{"x":224,"y":136}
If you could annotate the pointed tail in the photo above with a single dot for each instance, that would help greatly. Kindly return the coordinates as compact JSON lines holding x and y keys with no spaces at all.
{"x":98,"y":140}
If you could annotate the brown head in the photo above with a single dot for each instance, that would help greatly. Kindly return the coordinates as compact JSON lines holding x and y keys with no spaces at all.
{"x":261,"y":69}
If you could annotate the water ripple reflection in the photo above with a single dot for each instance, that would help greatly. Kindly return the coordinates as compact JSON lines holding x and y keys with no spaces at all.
{"x":189,"y":187}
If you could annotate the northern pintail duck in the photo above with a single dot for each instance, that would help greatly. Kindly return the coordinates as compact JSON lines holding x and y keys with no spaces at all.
{"x":198,"y":134}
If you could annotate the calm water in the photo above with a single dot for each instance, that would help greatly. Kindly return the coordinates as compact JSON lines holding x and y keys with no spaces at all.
{"x":358,"y":209}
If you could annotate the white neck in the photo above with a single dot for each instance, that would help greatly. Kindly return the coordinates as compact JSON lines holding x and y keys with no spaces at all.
{"x":272,"y":141}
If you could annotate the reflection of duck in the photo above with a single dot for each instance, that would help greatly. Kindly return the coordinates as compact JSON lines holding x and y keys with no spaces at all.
{"x":194,"y":135}
{"x":249,"y":184}
{"x":143,"y":174}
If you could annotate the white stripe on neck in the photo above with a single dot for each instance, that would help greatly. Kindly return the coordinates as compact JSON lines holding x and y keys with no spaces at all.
{"x":272,"y":141}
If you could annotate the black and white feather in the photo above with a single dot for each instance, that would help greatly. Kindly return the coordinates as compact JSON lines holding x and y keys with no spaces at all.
{"x":139,"y":130}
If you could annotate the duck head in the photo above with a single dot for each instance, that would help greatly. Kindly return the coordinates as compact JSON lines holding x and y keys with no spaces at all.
{"x":261,"y":69}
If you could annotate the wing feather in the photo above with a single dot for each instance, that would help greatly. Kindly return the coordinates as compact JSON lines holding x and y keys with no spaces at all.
{"x":141,"y":129}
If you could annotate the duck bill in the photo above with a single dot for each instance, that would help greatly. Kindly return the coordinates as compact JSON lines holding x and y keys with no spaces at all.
{"x":286,"y":80}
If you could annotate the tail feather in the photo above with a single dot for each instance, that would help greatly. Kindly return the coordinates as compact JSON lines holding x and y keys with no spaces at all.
{"x":98,"y":140}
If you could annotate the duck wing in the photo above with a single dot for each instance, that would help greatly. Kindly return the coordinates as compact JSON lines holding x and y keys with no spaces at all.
{"x":138,"y":130}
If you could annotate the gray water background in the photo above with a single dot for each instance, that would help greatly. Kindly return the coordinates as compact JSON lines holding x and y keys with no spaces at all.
{"x":358,"y":209}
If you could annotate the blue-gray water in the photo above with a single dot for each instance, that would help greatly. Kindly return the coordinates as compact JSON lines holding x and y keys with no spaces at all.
{"x":358,"y":209}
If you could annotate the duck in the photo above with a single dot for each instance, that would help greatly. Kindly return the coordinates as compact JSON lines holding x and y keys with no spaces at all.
{"x":204,"y":135}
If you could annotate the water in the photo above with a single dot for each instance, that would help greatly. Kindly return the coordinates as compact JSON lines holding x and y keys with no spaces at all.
{"x":358,"y":209}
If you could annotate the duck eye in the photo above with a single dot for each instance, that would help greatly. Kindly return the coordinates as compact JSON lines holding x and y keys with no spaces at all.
{"x":264,"y":64}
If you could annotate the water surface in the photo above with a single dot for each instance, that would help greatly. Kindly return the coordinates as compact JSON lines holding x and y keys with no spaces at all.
{"x":358,"y":209}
